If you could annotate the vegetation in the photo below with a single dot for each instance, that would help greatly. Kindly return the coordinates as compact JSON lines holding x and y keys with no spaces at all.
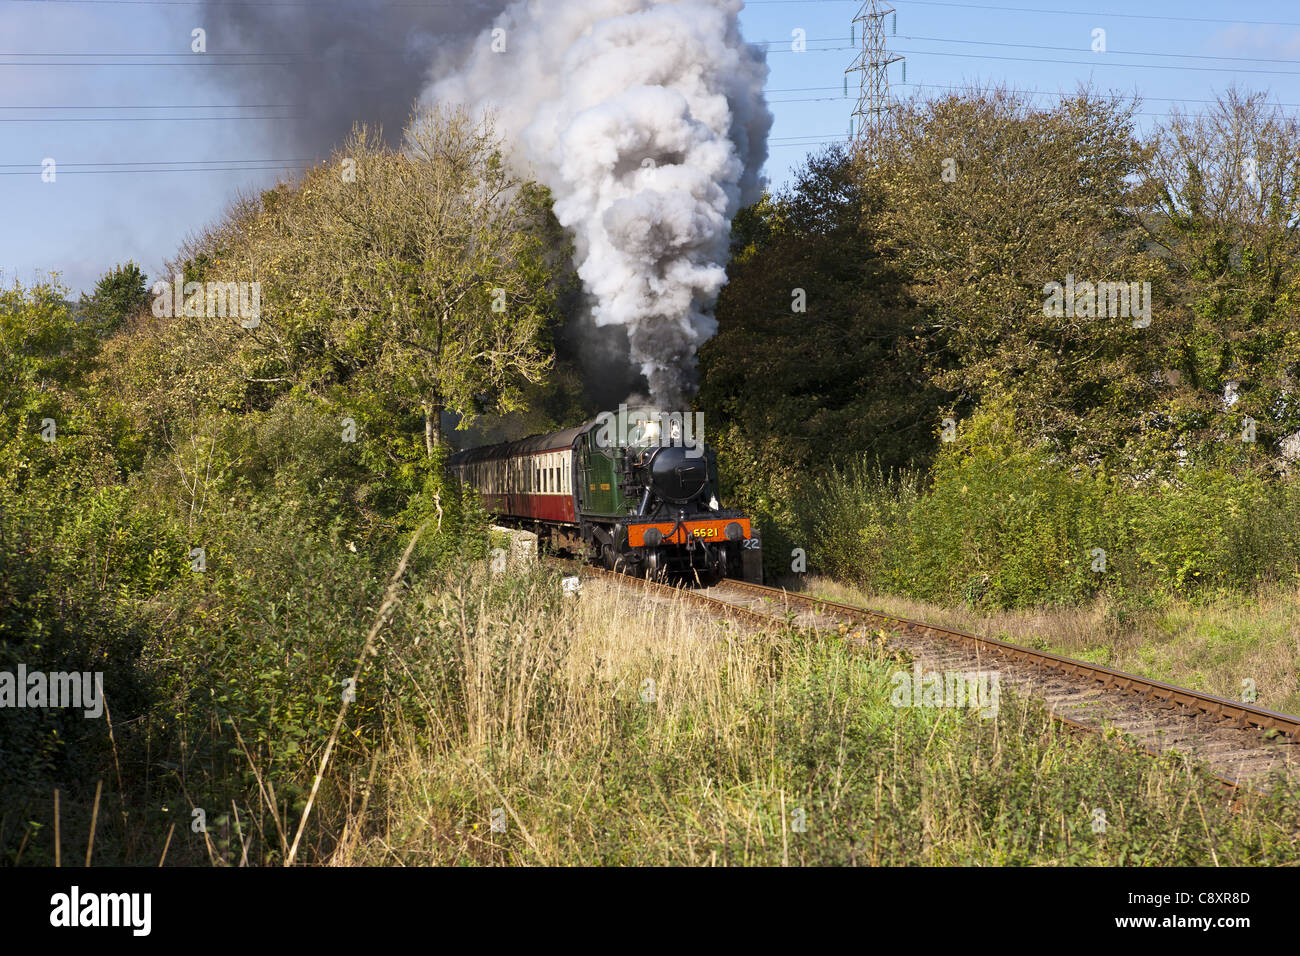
{"x":209,"y":508}
{"x":701,"y":745}
{"x":206,"y":507}
{"x":996,"y":442}
{"x":1228,"y":646}
{"x":1002,"y":526}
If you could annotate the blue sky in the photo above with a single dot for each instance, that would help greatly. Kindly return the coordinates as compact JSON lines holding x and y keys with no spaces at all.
{"x":80,"y":225}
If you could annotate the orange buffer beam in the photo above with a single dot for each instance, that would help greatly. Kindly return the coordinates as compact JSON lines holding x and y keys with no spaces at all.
{"x":707,"y":530}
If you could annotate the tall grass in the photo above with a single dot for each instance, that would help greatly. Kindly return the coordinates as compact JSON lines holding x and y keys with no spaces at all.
{"x":616,"y":729}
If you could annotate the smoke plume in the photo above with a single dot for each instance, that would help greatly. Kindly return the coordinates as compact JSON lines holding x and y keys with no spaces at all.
{"x":646,"y":119}
{"x":338,"y":62}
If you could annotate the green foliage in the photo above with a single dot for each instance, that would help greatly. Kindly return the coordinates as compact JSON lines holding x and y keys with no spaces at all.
{"x":1001,"y":525}
{"x":1226,"y":182}
{"x":816,"y":353}
{"x":118,"y":295}
{"x":986,"y":198}
{"x":296,"y":456}
{"x":42,"y":355}
{"x":301,"y":454}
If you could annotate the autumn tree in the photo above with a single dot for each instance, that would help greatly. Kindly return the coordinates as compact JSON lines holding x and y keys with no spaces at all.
{"x":987,"y":200}
{"x":1224,"y":217}
{"x":426,"y":267}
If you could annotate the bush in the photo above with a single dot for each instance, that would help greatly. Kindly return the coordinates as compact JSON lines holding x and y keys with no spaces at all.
{"x":1003,"y":527}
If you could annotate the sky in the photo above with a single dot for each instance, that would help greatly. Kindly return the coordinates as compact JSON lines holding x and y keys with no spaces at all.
{"x":151,"y":142}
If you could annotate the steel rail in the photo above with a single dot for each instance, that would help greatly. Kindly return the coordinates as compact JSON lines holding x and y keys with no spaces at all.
{"x":1242,"y":714}
{"x":1170,"y":697}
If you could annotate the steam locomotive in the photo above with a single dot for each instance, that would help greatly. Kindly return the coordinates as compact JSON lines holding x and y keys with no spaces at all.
{"x":636,"y":492}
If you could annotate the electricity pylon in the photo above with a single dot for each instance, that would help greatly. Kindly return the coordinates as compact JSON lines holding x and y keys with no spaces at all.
{"x":872,"y":63}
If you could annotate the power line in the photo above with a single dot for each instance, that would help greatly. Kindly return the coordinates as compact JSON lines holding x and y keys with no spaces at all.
{"x":1101,"y":61}
{"x":963,"y":87}
{"x":1086,"y":13}
{"x":1040,"y":46}
{"x":457,"y":3}
{"x":312,"y":55}
{"x":237,"y":3}
{"x":1069,"y":13}
{"x":178,"y":106}
{"x":92,"y":172}
{"x":159,"y":162}
{"x":1075,"y":49}
{"x":142,"y":119}
{"x":299,"y":116}
{"x":193,"y":59}
{"x":196,"y":59}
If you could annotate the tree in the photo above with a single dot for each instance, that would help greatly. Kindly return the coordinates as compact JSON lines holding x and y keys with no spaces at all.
{"x":119,"y":294}
{"x":986,"y":201}
{"x":41,"y":354}
{"x":1225,"y":214}
{"x":429,"y":268}
{"x":816,"y":361}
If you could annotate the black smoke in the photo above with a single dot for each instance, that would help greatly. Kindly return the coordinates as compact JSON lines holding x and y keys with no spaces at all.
{"x":338,"y":62}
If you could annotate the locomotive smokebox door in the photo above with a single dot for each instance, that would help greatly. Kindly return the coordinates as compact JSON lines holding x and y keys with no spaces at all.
{"x":751,"y":560}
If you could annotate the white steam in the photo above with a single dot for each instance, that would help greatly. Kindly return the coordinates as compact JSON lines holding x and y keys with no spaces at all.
{"x":646,"y":120}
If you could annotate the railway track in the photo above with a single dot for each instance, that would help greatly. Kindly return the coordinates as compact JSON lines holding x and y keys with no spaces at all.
{"x":1241,"y":744}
